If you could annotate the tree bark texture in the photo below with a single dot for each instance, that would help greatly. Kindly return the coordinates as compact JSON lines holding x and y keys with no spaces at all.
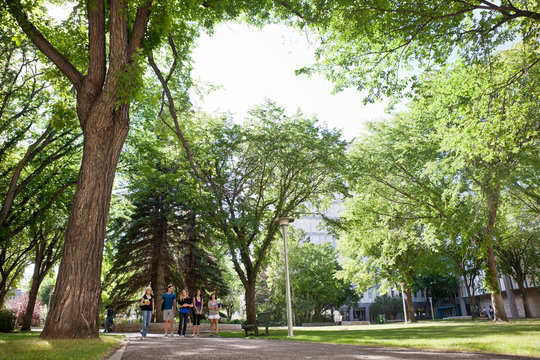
{"x":104,"y":121}
{"x":496,"y":297}
{"x":493,"y":275}
{"x":410,"y":305}
{"x":251,"y":313}
{"x":76,"y":302}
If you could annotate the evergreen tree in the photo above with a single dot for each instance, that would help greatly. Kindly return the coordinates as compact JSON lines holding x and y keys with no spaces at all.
{"x":162,"y":241}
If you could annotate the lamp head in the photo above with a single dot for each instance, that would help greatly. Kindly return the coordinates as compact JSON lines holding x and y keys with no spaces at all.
{"x":284,"y":221}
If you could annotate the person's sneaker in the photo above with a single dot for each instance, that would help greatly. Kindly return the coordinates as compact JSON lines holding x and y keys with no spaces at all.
{"x":183,"y":335}
{"x":192,"y":335}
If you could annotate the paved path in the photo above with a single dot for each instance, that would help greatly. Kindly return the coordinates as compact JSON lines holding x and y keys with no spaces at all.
{"x":206,"y":347}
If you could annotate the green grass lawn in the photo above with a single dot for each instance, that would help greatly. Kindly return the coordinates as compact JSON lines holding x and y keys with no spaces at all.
{"x":29,"y":346}
{"x":519,"y":337}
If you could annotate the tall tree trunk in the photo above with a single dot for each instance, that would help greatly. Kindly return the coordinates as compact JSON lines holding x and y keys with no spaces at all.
{"x":2,"y":293}
{"x":76,"y":302}
{"x":470,"y":294}
{"x":523,"y":294}
{"x":36,"y":281}
{"x":492,"y":273}
{"x":471,"y":305}
{"x":105,"y":123}
{"x":493,"y":278}
{"x":191,"y":273}
{"x":32,"y":297}
{"x":3,"y":280}
{"x":250,"y":301}
{"x":158,"y":268}
{"x":410,"y":305}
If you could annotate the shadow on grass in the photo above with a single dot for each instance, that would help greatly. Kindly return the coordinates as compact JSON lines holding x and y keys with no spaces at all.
{"x":516,"y":336}
{"x":432,"y":331}
{"x":28,"y":345}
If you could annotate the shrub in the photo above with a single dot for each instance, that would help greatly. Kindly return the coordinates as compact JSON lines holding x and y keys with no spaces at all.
{"x":7,"y":320}
{"x":390,"y":306}
{"x":18,"y":306}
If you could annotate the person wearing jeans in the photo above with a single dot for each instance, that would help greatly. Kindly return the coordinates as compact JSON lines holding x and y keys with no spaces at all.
{"x":184,"y":306}
{"x":147,"y":308}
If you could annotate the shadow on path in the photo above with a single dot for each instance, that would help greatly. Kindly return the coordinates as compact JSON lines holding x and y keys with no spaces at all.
{"x":206,"y":347}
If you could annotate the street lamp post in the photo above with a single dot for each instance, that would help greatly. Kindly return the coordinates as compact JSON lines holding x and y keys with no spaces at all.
{"x":284,"y":222}
{"x":403,"y":299}
{"x":431,"y":304}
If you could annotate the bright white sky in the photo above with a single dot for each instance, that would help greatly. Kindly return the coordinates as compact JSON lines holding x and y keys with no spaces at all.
{"x":252,"y":64}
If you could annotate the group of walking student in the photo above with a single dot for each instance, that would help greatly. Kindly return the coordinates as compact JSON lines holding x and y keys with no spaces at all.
{"x":185,"y":306}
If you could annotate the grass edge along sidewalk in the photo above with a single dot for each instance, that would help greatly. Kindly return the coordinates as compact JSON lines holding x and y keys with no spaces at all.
{"x":29,"y":346}
{"x":518,"y":337}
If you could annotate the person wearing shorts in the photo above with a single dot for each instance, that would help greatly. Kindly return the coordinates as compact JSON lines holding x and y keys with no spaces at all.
{"x":198,"y":304}
{"x":213,"y":314}
{"x":169,"y":303}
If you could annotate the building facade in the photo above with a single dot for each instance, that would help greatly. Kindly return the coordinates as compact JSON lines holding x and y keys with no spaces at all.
{"x":312,"y":226}
{"x":314,"y":230}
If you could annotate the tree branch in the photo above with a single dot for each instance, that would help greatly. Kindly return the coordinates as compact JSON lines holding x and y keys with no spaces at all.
{"x":174,"y":115}
{"x":44,"y":45}
{"x":37,"y":213}
{"x":97,"y":62}
{"x":139,"y":27}
{"x":118,"y":48}
{"x":8,"y":201}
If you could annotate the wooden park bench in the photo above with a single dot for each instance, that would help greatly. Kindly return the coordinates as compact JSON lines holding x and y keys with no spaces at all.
{"x":263,"y":319}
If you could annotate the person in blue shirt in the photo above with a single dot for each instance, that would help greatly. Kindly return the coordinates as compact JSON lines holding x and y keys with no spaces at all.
{"x":169,"y":303}
{"x":184,"y":306}
{"x":109,"y":319}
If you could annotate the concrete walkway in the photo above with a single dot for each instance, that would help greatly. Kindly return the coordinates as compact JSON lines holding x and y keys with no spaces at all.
{"x":206,"y":347}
